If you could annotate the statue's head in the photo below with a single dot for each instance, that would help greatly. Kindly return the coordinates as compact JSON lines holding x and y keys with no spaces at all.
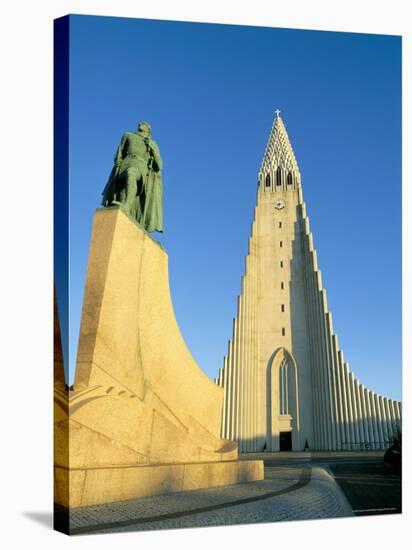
{"x":144,"y":128}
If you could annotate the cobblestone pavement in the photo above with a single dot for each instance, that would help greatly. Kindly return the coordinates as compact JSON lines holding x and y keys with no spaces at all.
{"x":287,"y":493}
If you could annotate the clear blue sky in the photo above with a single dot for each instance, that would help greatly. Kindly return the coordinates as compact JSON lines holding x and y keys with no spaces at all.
{"x":210,"y":92}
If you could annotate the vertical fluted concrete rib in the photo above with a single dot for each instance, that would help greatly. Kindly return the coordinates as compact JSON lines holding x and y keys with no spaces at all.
{"x":285,"y":381}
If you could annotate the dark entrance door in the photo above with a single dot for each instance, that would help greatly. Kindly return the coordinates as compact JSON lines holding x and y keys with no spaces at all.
{"x":285,"y":441}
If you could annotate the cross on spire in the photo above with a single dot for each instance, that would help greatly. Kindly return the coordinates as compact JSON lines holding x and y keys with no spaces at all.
{"x":277,"y":112}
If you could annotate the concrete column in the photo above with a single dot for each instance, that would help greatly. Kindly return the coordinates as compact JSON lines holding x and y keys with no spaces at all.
{"x":369,"y":419}
{"x":229,"y":382}
{"x":373,"y":437}
{"x":389,"y":425}
{"x":254,"y":347}
{"x":374,"y":420}
{"x":383,"y":421}
{"x":317,"y":404}
{"x":329,"y":368}
{"x":321,"y":366}
{"x":230,"y":407}
{"x":379,"y":421}
{"x":362,"y":405}
{"x":320,"y":387}
{"x":350,"y":407}
{"x":325,"y":371}
{"x":250,"y":348}
{"x":359,"y":415}
{"x":356,"y":432}
{"x":393,"y":415}
{"x":241,"y":367}
{"x":397,"y":413}
{"x":256,"y":353}
{"x":321,"y":379}
{"x":254,"y":359}
{"x":234,"y":382}
{"x":334,"y":383}
{"x":225,"y":397}
{"x":236,"y":376}
{"x":346,"y":440}
{"x":310,"y":282}
{"x":367,"y":440}
{"x":341,"y":420}
{"x":224,"y":386}
{"x":251,"y":337}
{"x":244,"y":368}
{"x":256,"y":350}
{"x":246,"y":384}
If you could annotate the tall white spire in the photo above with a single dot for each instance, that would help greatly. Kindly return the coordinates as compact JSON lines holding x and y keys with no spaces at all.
{"x":284,"y":377}
{"x":279,"y":152}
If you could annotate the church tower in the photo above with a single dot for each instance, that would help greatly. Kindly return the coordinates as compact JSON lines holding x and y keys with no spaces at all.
{"x":286,"y":383}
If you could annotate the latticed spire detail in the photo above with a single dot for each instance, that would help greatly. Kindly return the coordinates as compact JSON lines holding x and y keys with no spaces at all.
{"x":279,"y":154}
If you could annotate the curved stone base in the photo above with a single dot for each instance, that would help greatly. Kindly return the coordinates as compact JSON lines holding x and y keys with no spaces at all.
{"x":89,"y":486}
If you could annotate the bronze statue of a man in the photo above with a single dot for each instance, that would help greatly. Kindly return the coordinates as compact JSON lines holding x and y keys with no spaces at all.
{"x":135,"y":182}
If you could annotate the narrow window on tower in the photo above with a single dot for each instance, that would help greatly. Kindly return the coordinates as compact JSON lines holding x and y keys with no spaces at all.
{"x":282,"y":285}
{"x":283,"y":332}
{"x":280,"y":244}
{"x":282,"y":308}
{"x":280,"y":225}
{"x":289,"y":179}
{"x":279,"y":176}
{"x":268,"y":180}
{"x":281,"y":263}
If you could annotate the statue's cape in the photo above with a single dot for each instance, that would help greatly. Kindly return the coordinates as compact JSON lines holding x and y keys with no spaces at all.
{"x":110,"y":189}
{"x":153,"y":210}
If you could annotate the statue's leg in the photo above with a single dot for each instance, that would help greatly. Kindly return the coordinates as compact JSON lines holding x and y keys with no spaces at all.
{"x":132,"y":177}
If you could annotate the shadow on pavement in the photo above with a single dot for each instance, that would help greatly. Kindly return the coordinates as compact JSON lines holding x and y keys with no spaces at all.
{"x":371,"y":488}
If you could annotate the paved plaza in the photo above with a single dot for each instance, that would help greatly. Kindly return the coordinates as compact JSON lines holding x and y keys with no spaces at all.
{"x":297,"y":486}
{"x":294,"y":488}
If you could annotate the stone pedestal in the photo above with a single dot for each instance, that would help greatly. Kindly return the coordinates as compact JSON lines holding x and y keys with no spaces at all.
{"x":143,"y":418}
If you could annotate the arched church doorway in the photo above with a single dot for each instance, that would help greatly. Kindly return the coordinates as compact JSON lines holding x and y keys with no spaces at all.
{"x":283,"y":423}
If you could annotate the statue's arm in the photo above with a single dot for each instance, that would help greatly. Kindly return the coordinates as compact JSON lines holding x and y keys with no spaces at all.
{"x":119,"y":153}
{"x":156,"y":154}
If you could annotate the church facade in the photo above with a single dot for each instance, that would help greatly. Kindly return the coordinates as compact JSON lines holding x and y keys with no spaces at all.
{"x":286,"y":383}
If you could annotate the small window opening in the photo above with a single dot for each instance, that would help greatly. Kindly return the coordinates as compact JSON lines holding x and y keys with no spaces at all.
{"x":280,"y":225}
{"x":282,"y":308}
{"x":278,"y":176}
{"x":283,"y":332}
{"x":280,"y":244}
{"x":282,"y":286}
{"x":268,"y":180}
{"x":289,"y":178}
{"x":281,"y":263}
